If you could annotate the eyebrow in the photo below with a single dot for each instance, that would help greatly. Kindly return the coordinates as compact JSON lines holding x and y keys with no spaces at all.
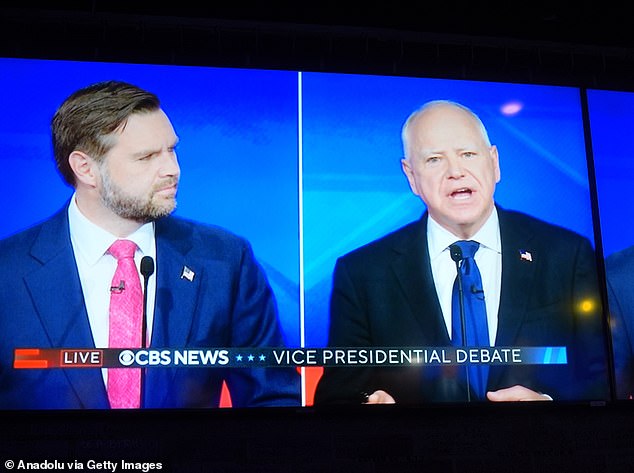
{"x":147,"y":152}
{"x":429,"y":151}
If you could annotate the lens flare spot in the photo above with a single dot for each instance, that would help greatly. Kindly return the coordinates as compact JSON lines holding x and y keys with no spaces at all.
{"x":586,"y":306}
{"x":511,"y":108}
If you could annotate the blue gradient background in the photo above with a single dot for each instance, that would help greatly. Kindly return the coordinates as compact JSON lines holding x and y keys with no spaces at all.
{"x":611,"y":127}
{"x":237,"y":152}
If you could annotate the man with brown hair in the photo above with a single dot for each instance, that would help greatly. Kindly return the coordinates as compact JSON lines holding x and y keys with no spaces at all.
{"x":115,"y":145}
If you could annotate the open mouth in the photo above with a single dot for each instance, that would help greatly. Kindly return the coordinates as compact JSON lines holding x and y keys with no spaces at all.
{"x":461,"y":194}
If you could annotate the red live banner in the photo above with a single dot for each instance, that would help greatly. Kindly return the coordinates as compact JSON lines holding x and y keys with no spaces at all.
{"x":25,"y":358}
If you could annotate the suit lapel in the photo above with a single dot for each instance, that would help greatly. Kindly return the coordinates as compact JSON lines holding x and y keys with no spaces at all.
{"x":519,"y":264}
{"x":412,"y":269}
{"x":59,"y":303}
{"x":177,"y":290}
{"x":177,"y":285}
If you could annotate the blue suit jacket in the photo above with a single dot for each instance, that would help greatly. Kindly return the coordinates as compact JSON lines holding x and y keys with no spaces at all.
{"x":619,"y":269}
{"x":384,"y":295}
{"x":228,"y":303}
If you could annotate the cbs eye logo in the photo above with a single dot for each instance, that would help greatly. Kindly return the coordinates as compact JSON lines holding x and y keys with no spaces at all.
{"x":126,"y":357}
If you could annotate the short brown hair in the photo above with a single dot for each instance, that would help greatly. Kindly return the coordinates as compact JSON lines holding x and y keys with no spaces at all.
{"x":87,"y":118}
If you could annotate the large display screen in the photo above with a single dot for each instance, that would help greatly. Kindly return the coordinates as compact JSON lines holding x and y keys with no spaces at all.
{"x":310,"y":276}
{"x":611,"y":120}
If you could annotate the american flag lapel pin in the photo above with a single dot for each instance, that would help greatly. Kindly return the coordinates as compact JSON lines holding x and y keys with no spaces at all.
{"x":188,"y":274}
{"x":526,"y":256}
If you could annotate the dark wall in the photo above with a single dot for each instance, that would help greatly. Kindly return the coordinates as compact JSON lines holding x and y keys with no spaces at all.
{"x":585,"y":46}
{"x":529,"y":438}
{"x":526,"y":438}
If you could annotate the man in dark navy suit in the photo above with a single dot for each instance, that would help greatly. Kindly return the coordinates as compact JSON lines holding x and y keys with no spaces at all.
{"x":115,"y":145}
{"x":620,"y":280}
{"x":538,"y":281}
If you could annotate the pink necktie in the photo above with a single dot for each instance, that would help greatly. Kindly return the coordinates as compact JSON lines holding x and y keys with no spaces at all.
{"x":126,"y":312}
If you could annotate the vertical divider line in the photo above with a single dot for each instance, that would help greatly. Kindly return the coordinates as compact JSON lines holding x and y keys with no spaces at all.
{"x":300,"y":202}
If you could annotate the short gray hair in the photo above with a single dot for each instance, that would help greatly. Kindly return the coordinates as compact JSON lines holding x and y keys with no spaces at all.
{"x":433,"y":104}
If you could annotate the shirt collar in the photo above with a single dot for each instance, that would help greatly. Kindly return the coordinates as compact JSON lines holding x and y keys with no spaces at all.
{"x":439,"y":238}
{"x":92,"y":241}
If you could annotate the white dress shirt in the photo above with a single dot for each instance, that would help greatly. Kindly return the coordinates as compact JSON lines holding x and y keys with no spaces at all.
{"x":489,"y":261}
{"x":96,"y":268}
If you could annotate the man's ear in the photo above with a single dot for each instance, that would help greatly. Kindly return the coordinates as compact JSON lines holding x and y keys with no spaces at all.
{"x":84,"y":167}
{"x":496,"y":162}
{"x":406,"y":166}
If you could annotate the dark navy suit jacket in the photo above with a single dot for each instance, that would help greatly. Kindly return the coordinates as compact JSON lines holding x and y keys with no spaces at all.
{"x":228,"y":303}
{"x":619,"y":268}
{"x":384,"y":296}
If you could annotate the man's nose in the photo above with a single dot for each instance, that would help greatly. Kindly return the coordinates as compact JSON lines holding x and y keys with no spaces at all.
{"x":169,"y":164}
{"x":455,"y":167}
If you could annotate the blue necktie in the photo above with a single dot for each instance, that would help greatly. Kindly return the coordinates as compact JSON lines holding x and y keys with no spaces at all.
{"x":475,"y":317}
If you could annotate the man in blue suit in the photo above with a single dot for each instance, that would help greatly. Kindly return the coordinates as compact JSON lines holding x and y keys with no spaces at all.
{"x":539,"y":283}
{"x":114,"y":144}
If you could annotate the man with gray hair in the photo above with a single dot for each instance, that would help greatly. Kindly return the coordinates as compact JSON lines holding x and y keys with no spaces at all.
{"x":522,"y":283}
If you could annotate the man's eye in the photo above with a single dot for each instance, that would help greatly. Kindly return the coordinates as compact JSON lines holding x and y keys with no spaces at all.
{"x":468,"y":154}
{"x":432,"y":159}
